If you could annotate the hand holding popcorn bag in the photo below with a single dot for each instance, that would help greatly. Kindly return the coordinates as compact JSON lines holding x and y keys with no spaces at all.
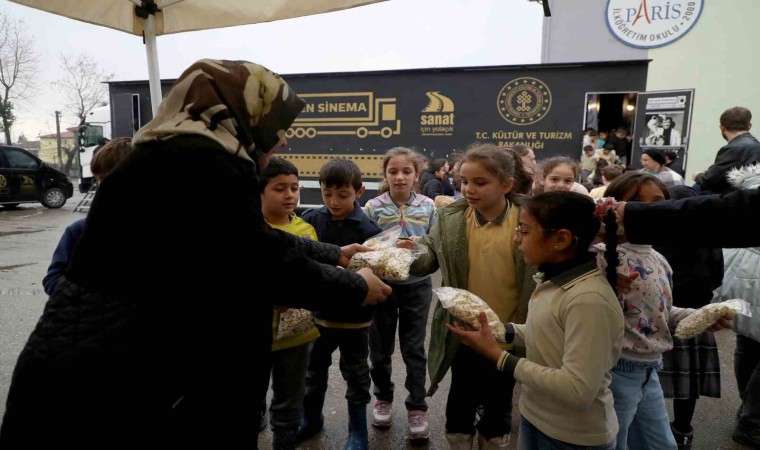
{"x":388,"y":262}
{"x":705,"y":317}
{"x":466,"y":307}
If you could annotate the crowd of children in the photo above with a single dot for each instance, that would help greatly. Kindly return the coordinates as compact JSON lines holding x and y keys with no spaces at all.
{"x":589,"y":387}
{"x":517,"y":234}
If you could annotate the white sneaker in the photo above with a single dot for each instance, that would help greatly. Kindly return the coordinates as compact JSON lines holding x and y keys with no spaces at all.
{"x":382,"y":414}
{"x":419,"y":428}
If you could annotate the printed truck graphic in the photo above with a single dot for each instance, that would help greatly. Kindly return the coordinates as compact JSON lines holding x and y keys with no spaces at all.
{"x":346,"y":113}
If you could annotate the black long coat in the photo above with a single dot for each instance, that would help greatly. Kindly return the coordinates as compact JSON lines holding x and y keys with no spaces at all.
{"x":159,"y":335}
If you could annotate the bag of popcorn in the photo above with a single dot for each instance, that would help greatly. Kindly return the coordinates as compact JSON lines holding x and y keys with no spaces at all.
{"x":293,"y":322}
{"x":388,"y":262}
{"x":705,"y":317}
{"x":466,"y":306}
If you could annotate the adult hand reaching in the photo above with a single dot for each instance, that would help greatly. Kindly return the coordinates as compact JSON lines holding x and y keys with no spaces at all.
{"x":377,"y":291}
{"x":347,"y":251}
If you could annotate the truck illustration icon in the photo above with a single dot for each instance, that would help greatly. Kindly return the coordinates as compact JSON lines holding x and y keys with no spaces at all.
{"x":346,"y":113}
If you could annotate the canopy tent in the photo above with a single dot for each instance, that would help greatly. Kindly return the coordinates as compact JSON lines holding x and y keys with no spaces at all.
{"x":151,"y":18}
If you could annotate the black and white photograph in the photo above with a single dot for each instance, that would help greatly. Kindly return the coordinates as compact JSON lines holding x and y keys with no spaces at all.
{"x":664,"y":129}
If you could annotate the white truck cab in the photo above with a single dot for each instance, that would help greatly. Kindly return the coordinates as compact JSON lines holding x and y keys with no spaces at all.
{"x":93,"y":134}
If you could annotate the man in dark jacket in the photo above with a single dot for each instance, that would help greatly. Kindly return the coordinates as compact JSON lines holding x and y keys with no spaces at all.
{"x":742,"y":149}
{"x":159,"y":334}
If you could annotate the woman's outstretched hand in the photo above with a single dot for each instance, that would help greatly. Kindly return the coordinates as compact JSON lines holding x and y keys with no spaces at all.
{"x":482,"y":341}
{"x":347,"y":251}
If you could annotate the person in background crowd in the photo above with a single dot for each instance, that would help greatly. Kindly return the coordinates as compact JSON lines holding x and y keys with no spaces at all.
{"x":595,"y":178}
{"x":114,"y":360}
{"x":653,"y":161}
{"x":609,"y":173}
{"x":622,"y":144}
{"x":434,"y":180}
{"x":602,"y":139}
{"x":608,"y":154}
{"x":588,"y":161}
{"x":743,"y":149}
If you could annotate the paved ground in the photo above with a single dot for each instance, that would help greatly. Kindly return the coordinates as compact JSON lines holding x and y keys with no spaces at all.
{"x":29,"y":234}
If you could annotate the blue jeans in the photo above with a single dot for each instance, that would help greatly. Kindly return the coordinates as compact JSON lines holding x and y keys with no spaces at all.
{"x":531,"y":438}
{"x":640,"y":407}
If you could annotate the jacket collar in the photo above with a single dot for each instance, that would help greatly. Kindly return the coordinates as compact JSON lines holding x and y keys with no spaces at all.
{"x":571,"y":276}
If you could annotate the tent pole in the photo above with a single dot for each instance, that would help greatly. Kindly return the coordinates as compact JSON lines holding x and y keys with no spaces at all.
{"x":151,"y":50}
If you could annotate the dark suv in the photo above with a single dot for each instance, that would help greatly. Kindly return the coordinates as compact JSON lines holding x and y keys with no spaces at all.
{"x":24,"y":179}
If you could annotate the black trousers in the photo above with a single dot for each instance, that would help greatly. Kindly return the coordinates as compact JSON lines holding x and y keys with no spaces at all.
{"x":475,"y":382}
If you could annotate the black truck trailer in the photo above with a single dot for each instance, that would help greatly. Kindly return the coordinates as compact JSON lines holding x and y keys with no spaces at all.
{"x":360,"y":115}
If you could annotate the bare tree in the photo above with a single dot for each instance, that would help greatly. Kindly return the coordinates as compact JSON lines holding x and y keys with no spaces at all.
{"x":18,"y":69}
{"x":84,"y":85}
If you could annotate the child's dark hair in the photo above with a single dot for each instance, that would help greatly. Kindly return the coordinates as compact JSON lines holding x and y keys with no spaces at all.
{"x":110,"y":155}
{"x":339,"y":172}
{"x":436,"y":165}
{"x":548,"y":164}
{"x":523,"y":179}
{"x":277,"y":166}
{"x":632,"y":182}
{"x":494,"y":159}
{"x":574,"y":212}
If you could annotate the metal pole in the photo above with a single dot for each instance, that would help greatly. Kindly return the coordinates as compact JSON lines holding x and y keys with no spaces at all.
{"x":58,"y":137}
{"x":151,"y":50}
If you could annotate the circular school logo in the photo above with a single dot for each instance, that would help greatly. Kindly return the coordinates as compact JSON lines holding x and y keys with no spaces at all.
{"x":3,"y":182}
{"x":652,"y":23}
{"x":524,"y":101}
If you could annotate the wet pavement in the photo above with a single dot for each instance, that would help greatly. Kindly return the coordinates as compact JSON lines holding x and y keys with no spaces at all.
{"x":29,"y":234}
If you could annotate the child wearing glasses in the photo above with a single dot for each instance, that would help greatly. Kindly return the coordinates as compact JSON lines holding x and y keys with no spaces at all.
{"x":565,"y":398}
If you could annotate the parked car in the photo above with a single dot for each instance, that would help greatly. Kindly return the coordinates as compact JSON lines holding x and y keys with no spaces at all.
{"x":24,"y":178}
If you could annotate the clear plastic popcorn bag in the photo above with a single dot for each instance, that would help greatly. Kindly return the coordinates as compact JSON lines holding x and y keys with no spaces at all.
{"x":388,"y":262}
{"x":466,"y":307}
{"x":705,"y":317}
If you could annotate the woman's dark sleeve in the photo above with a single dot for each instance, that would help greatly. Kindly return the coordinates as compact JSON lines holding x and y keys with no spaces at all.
{"x":705,"y":221}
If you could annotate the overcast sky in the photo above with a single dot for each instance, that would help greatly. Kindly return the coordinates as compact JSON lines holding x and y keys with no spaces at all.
{"x":396,"y":34}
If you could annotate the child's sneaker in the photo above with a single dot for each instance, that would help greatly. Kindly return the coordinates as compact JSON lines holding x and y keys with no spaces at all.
{"x":494,"y":443}
{"x":419,"y":429}
{"x":381,"y":414}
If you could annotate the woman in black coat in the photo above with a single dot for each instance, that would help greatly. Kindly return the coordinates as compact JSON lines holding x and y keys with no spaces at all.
{"x":159,"y":334}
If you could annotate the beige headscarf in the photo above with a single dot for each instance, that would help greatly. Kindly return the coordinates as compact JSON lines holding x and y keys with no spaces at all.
{"x":241,"y":105}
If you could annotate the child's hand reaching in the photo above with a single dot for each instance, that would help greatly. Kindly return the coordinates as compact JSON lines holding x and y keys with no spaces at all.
{"x":482,"y":341}
{"x":407,"y":243}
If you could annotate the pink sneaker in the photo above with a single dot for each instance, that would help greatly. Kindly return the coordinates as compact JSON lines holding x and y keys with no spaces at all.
{"x":381,"y":414}
{"x":419,"y":429}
